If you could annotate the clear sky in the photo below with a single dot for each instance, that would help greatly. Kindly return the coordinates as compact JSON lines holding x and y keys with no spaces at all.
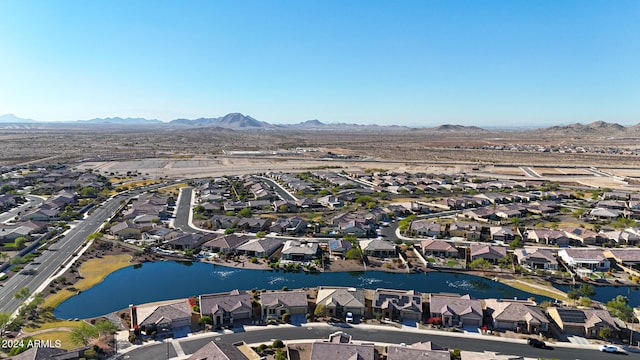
{"x":408,"y":62}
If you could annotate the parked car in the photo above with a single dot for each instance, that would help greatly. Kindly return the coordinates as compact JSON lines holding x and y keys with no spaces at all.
{"x":608,"y":348}
{"x":536,"y":343}
{"x":349,"y":317}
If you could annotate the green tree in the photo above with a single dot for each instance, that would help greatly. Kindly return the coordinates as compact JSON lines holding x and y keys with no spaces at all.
{"x":105,"y":327}
{"x":198,"y":209}
{"x":480,"y":264}
{"x":83,"y":334}
{"x":261,"y":234}
{"x":205,"y":319}
{"x":587,"y":290}
{"x":573,"y":294}
{"x":245,"y":213}
{"x":20,"y":242}
{"x":353,"y":254}
{"x":619,"y":307}
{"x":277,"y":344}
{"x":228,"y":231}
{"x":3,"y":256}
{"x":320,"y":311}
{"x":585,"y":301}
{"x":22,"y":294}
{"x":605,"y":333}
{"x":516,"y":243}
{"x":5,"y":320}
{"x":88,"y":191}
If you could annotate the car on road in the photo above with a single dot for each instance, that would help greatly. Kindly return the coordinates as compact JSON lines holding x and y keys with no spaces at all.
{"x":349,"y":317}
{"x":608,"y":348}
{"x":536,"y":343}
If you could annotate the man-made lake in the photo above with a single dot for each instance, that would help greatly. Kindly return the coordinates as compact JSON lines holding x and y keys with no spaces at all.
{"x":172,"y":280}
{"x":605,"y":293}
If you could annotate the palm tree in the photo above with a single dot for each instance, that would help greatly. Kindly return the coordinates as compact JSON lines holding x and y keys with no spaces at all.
{"x":4,"y":256}
{"x":22,"y":294}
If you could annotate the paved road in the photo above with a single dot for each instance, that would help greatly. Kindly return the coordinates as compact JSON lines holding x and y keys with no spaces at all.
{"x":32,"y":202}
{"x":183,"y":211}
{"x":51,"y":260}
{"x":530,"y":172}
{"x":189,"y":346}
{"x":282,"y":193}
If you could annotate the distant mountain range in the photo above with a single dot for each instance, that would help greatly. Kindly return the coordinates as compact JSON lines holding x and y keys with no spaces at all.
{"x":238,"y":121}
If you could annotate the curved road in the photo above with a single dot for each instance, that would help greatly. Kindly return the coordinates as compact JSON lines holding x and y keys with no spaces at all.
{"x":369,"y":334}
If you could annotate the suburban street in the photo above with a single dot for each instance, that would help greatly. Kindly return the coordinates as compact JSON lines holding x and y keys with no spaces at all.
{"x":32,"y":202}
{"x":51,"y":260}
{"x":368,"y":334}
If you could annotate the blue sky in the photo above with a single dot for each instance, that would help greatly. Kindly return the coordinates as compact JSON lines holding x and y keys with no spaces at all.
{"x":418,"y":63}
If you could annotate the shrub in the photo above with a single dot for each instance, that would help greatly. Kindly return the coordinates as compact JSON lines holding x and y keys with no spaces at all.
{"x":277,"y":344}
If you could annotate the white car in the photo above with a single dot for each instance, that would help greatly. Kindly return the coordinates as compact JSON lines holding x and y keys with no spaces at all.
{"x":349,"y":317}
{"x":608,"y":348}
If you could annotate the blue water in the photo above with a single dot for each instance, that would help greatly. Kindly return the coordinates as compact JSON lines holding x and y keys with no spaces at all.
{"x":606,"y":293}
{"x":172,"y":280}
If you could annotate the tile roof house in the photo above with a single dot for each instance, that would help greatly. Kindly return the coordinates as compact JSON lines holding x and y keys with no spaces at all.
{"x":621,"y":237}
{"x":501,"y":233}
{"x":535,"y":258}
{"x":422,"y":351}
{"x":277,"y":303}
{"x":253,"y":224}
{"x":425,"y":228}
{"x":126,"y":230}
{"x":260,"y":247}
{"x":378,"y":248}
{"x":300,"y":250}
{"x":629,"y":257}
{"x":291,"y":226}
{"x":220,"y":351}
{"x":49,"y":353}
{"x":338,"y":301}
{"x":438,"y":248}
{"x":584,"y":236}
{"x":187,"y":242}
{"x":548,"y":237}
{"x":487,"y":252}
{"x":468,"y":230}
{"x":340,"y":347}
{"x":455,"y":310}
{"x":160,"y":319}
{"x":582,"y":322}
{"x":339,"y":247}
{"x":226,"y":309}
{"x":397,"y":305}
{"x":591,"y":259}
{"x":517,"y":315}
{"x":225,"y":243}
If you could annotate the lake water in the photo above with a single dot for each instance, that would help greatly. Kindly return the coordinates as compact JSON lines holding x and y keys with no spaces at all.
{"x":606,"y":293}
{"x":172,"y":280}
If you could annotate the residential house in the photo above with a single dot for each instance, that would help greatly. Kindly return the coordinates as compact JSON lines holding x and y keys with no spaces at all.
{"x":161,"y":319}
{"x":438,"y":248}
{"x":377,"y":248}
{"x":339,"y":247}
{"x":590,"y":259}
{"x":604,"y":213}
{"x":126,"y":230}
{"x":223,"y":351}
{"x":397,"y":305}
{"x":274,"y":304}
{"x":582,"y":322}
{"x":422,"y":351}
{"x":331,"y":202}
{"x":260,"y":247}
{"x":253,"y":224}
{"x":467,"y":230}
{"x":426,"y":228}
{"x":455,"y":310}
{"x":226,"y":309}
{"x":9,"y":233}
{"x":225,"y":243}
{"x":300,"y":250}
{"x":223,"y":222}
{"x":521,"y":316}
{"x":502,"y":233}
{"x":620,"y":237}
{"x":629,"y":257}
{"x":584,"y":236}
{"x":535,"y":258}
{"x":488,"y":252}
{"x":548,"y":237}
{"x":187,"y":242}
{"x":50,"y":353}
{"x":339,"y":346}
{"x":290,"y":226}
{"x":338,"y":301}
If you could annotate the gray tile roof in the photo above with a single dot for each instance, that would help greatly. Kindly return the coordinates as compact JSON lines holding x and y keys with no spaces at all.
{"x":345,"y":297}
{"x":284,"y":298}
{"x":234,"y":301}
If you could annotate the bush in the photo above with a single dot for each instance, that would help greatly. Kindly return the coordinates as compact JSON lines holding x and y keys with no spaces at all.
{"x":277,"y":344}
{"x":286,"y":318}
